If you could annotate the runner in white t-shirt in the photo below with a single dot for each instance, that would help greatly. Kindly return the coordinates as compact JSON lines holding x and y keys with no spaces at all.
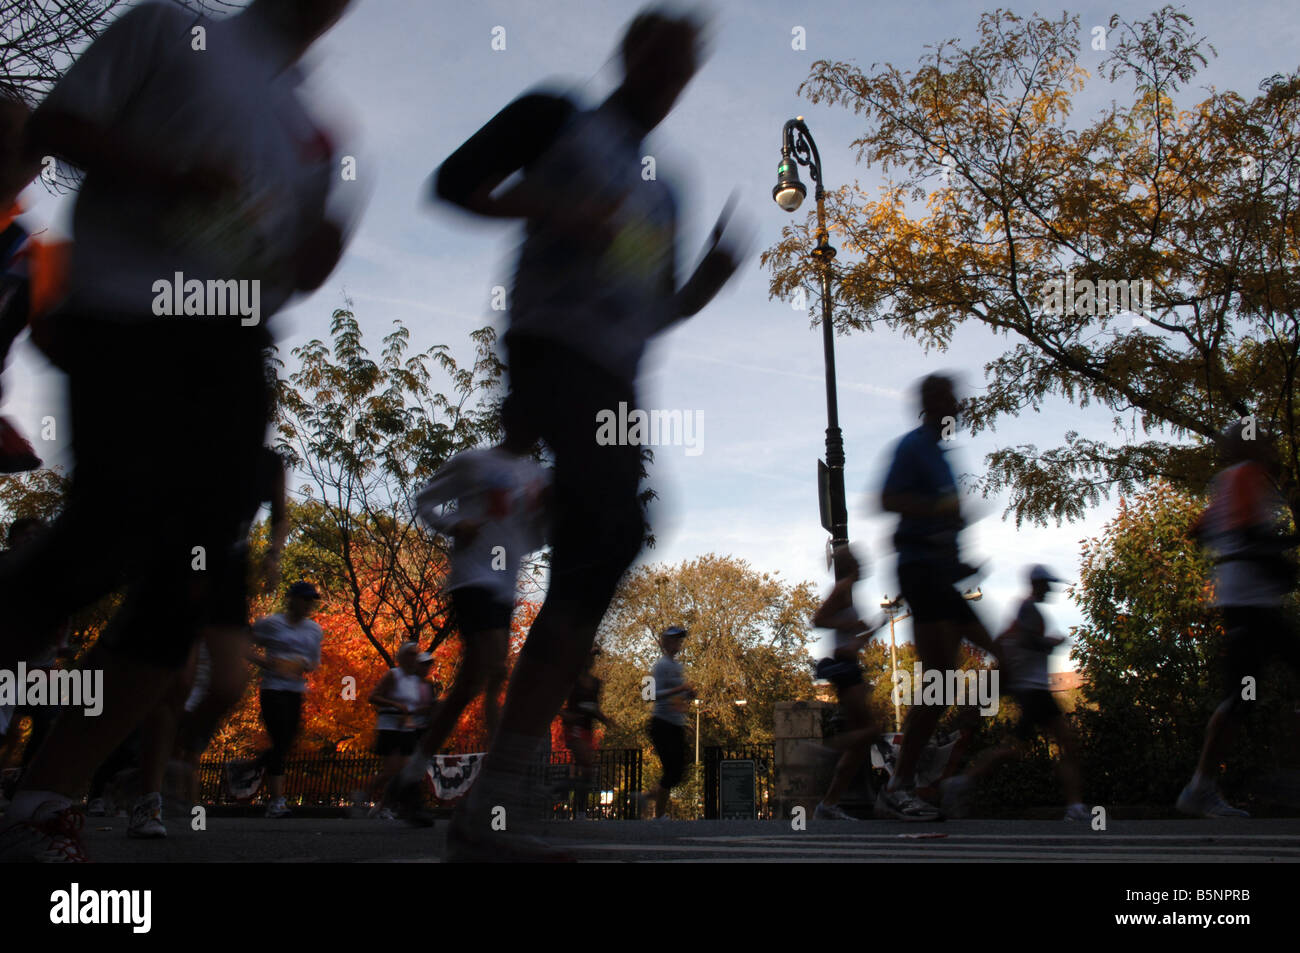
{"x":499,"y":516}
{"x":1024,"y":649}
{"x":399,"y":698}
{"x":291,"y":643}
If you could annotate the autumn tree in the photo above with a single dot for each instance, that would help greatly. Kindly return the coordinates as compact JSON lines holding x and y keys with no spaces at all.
{"x":748,"y":636}
{"x":994,"y":195}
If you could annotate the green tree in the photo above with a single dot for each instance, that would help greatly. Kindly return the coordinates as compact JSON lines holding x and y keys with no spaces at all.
{"x":364,"y":436}
{"x":993,"y":193}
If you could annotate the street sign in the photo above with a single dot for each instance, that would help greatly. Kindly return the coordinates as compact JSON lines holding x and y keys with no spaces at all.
{"x":737,"y":783}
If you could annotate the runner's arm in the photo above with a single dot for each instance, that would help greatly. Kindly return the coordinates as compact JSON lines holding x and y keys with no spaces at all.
{"x":513,"y":139}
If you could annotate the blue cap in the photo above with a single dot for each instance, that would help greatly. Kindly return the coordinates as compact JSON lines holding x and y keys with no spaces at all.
{"x":304,"y":590}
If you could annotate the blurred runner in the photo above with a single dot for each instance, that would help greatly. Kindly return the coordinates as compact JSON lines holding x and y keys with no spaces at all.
{"x":493,"y":504}
{"x":668,"y":720}
{"x":595,"y":282}
{"x":291,"y":642}
{"x":399,"y":697}
{"x":921,"y":489}
{"x":1025,"y":648}
{"x":206,"y":183}
{"x":1243,"y":527}
{"x":579,"y":716}
{"x":844,"y":672}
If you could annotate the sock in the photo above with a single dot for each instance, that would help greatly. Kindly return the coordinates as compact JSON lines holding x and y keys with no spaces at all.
{"x":897,"y":784}
{"x":25,"y":804}
{"x":1078,"y":804}
{"x":1199,"y":782}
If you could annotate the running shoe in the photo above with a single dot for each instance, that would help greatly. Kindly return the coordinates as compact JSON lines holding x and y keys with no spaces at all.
{"x":1077,"y":812}
{"x":954,"y":796}
{"x":831,"y":812}
{"x":146,"y":818}
{"x":278,"y":808}
{"x":903,"y":805}
{"x":1206,"y":802}
{"x":51,"y":836}
{"x":98,"y":807}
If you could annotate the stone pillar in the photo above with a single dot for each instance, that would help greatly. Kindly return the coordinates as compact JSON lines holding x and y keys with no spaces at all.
{"x":802,"y":772}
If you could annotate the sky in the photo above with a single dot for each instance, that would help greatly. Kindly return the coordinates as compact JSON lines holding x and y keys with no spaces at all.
{"x":404,"y":82}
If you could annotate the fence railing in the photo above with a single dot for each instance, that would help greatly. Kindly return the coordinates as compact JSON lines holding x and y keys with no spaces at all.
{"x":334,"y":782}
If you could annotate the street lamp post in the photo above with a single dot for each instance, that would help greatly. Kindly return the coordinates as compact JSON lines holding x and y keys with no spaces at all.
{"x":697,"y":731}
{"x":798,"y":148}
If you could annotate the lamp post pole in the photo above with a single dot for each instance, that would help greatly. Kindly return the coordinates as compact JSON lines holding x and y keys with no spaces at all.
{"x":798,"y":148}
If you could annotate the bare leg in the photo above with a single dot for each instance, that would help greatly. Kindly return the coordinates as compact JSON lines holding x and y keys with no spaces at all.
{"x":857,"y":743}
{"x":77,"y":743}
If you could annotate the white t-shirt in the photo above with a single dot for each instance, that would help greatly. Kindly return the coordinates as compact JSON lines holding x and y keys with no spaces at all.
{"x":284,"y":639}
{"x":505,"y":492}
{"x":406,"y":687}
{"x":233,"y":105}
{"x":668,"y":674}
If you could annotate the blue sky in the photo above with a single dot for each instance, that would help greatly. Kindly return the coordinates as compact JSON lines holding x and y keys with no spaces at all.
{"x":408,"y":81}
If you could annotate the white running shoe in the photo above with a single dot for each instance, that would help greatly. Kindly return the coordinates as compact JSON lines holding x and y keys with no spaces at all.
{"x":1078,"y":812}
{"x":278,"y":808}
{"x":98,"y":807}
{"x":146,"y":818}
{"x":831,"y":812}
{"x":1206,"y":802}
{"x":903,"y":805}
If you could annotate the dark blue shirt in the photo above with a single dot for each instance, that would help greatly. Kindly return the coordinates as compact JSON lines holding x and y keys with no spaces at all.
{"x":920,"y":469}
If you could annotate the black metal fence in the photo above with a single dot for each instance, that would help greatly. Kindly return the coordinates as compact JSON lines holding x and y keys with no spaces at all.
{"x":764,"y":758}
{"x":324,"y":783}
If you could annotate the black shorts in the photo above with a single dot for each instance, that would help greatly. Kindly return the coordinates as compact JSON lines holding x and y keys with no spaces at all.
{"x":1038,"y":709}
{"x":479,"y":610}
{"x":669,"y":742}
{"x":840,"y":673}
{"x":129,"y":381}
{"x":395,"y":741}
{"x":597,"y":524}
{"x":230,"y":594}
{"x":1256,"y":635}
{"x":931,"y":596}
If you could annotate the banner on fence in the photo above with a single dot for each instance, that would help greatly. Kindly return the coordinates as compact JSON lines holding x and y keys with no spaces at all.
{"x":452,"y":774}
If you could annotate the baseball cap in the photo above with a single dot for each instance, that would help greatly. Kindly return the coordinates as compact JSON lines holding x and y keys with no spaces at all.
{"x":1041,"y":573}
{"x":675,"y":632}
{"x":424,"y":657}
{"x":304,"y":590}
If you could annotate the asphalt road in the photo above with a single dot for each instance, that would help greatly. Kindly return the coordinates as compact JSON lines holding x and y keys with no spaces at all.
{"x":305,"y":840}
